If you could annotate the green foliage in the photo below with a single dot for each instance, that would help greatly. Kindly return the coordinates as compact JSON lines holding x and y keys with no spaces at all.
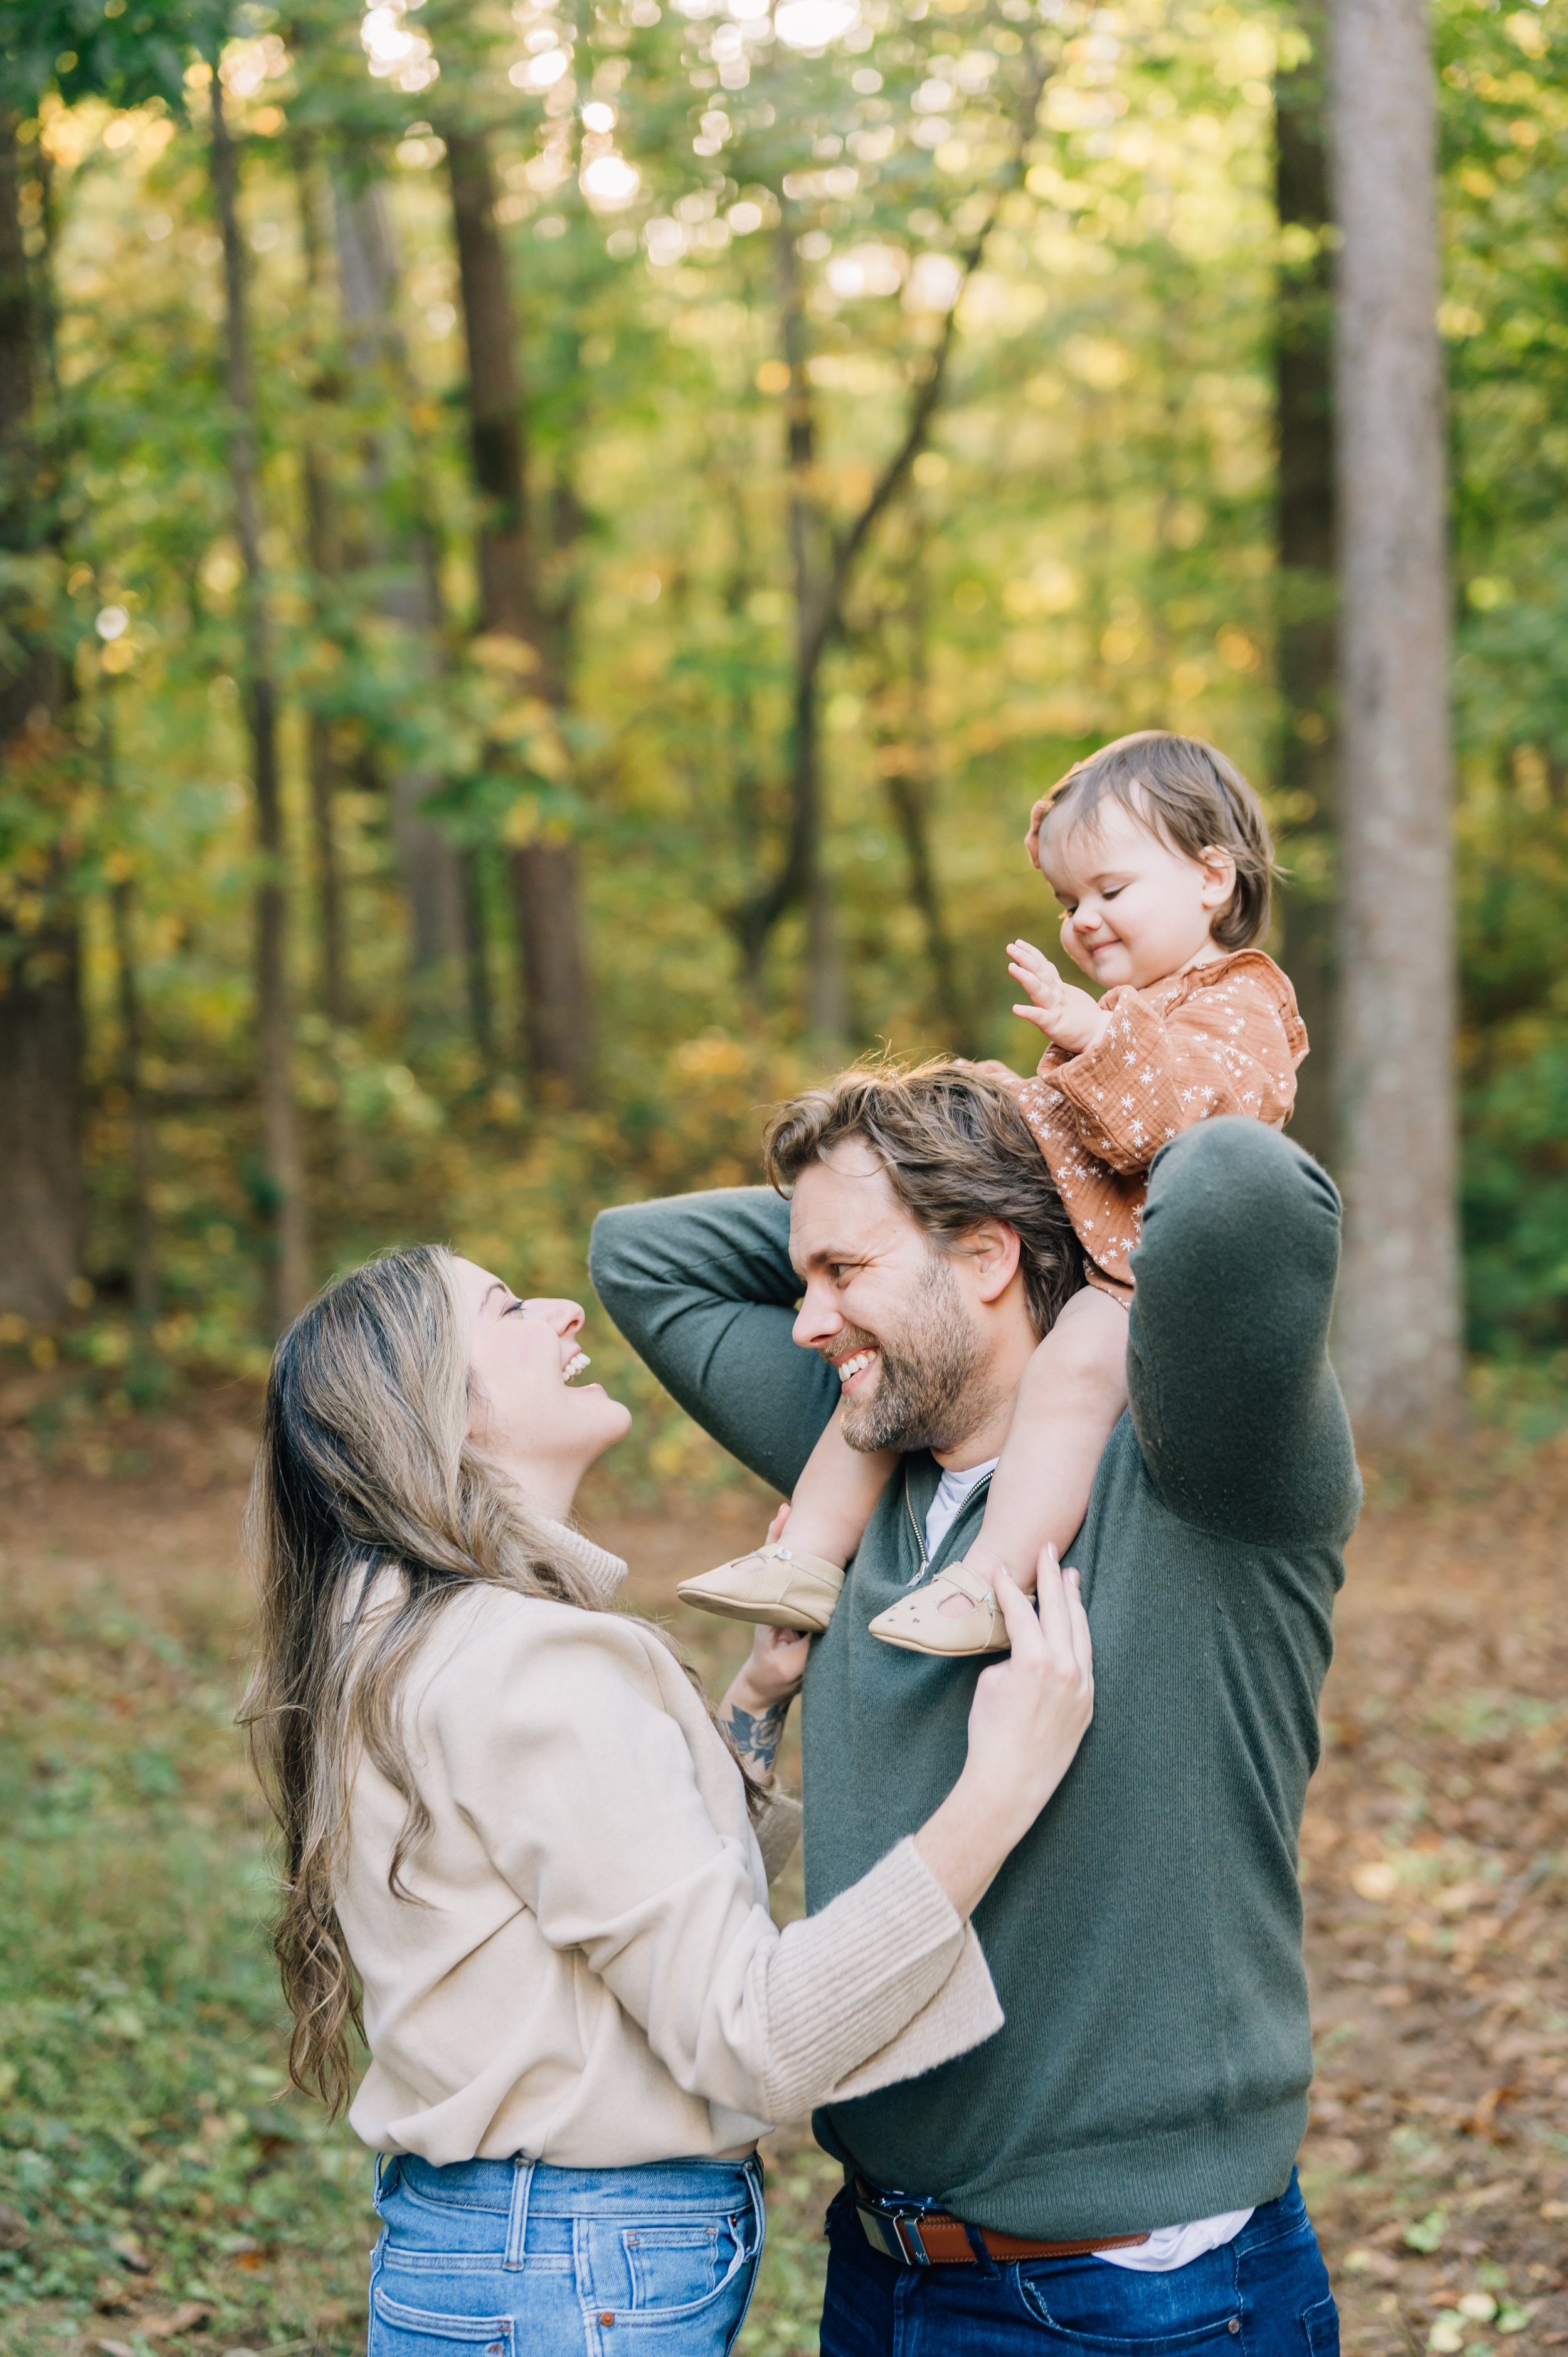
{"x":145,"y":2146}
{"x":127,"y":51}
{"x":1086,"y":546}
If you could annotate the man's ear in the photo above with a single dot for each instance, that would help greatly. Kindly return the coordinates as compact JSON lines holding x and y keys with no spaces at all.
{"x":1218,"y":875}
{"x":993,"y":1252}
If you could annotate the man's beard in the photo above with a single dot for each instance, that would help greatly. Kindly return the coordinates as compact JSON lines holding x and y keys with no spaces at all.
{"x":928,"y":1389}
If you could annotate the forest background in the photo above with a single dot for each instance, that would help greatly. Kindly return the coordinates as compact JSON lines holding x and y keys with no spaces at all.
{"x":549,"y":635}
{"x":545,"y":554}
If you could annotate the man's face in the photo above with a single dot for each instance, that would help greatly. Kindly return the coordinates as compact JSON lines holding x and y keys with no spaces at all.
{"x":887,"y":1307}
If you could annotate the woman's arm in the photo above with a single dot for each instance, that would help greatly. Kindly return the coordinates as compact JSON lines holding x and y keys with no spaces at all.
{"x":567,"y":1754}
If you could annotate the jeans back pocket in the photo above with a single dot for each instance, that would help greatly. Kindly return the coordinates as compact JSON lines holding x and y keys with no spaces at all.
{"x":400,"y":2331}
{"x":678,"y":2267}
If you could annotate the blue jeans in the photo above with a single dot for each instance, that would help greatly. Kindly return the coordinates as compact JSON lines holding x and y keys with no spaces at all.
{"x":501,"y":2258}
{"x":1264,"y":2295}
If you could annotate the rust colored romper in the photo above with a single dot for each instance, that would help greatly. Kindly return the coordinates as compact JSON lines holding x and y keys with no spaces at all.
{"x":1221,"y":1037}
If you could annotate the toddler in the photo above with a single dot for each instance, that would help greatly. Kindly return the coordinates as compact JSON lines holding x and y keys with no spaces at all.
{"x":1158,"y":850}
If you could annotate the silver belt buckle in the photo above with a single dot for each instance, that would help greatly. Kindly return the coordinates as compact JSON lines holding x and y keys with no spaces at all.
{"x":895,"y":2233}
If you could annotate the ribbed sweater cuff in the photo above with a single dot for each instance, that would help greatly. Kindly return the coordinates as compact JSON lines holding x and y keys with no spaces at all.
{"x":778,"y":1831}
{"x":886,"y":1982}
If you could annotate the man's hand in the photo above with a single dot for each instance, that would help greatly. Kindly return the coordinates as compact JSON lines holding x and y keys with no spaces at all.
{"x":1064,"y":1013}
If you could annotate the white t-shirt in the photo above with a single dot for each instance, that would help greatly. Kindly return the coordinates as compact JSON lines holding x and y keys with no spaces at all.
{"x":1168,"y":2247}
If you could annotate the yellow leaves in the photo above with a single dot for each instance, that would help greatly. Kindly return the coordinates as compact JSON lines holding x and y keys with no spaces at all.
{"x":222,"y":571}
{"x":501,"y":653}
{"x":1097,"y":360}
{"x":713,"y":1056}
{"x":528,"y":726}
{"x":1458,"y":320}
{"x":1236,"y":648}
{"x":1526,"y":31}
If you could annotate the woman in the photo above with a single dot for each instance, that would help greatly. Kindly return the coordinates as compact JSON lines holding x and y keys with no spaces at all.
{"x":514,"y":1826}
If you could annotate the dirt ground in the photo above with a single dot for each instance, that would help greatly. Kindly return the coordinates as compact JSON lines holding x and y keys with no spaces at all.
{"x":1434,"y":1860}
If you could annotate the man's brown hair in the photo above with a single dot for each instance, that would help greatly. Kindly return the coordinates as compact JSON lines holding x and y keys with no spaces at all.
{"x":957,"y":1151}
{"x":1192,"y":797}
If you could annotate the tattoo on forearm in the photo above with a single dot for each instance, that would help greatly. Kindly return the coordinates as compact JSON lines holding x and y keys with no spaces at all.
{"x":756,"y":1734}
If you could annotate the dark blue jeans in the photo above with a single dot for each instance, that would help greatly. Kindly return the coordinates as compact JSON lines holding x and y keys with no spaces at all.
{"x":1264,"y":2295}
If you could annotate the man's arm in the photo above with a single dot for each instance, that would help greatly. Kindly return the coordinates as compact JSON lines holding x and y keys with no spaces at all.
{"x":702,"y":1288}
{"x":1236,"y":1408}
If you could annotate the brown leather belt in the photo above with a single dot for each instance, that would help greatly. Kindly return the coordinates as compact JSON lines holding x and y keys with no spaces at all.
{"x":935,"y":2238}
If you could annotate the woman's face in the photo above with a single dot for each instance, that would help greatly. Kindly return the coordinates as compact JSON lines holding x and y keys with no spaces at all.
{"x":529,"y":1406}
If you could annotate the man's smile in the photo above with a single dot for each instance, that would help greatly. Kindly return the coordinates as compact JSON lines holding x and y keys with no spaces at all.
{"x":855,"y":1362}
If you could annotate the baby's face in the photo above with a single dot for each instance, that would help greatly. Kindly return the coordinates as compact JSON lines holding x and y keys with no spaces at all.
{"x":1135,"y":910}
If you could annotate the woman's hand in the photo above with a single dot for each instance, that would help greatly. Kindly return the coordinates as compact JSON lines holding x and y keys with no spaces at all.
{"x":754,"y":1711}
{"x":773,"y":1670}
{"x":1029,"y":1715}
{"x":758,"y":1704}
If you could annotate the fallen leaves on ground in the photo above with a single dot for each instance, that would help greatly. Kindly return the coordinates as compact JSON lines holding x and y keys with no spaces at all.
{"x":1434,"y":1861}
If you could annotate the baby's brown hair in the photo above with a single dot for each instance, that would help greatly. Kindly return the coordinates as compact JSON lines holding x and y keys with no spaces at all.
{"x":1193,"y":798}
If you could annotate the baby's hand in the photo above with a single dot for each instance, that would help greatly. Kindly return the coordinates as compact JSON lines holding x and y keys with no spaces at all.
{"x":1064,"y":1013}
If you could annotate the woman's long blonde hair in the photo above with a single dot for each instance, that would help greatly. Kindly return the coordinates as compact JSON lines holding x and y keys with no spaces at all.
{"x":365,"y":1460}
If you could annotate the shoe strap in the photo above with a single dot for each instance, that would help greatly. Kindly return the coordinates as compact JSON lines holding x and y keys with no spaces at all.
{"x":968,"y":1583}
{"x":773,"y":1551}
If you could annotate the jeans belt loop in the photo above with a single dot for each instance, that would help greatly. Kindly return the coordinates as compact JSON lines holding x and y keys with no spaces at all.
{"x":517,"y":2215}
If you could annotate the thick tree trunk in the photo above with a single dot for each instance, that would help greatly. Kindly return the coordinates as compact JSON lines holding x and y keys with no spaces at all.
{"x":545,"y":890}
{"x":1399,"y":1297}
{"x":40,"y":1020}
{"x":1309,"y":753}
{"x":281,"y":1163}
{"x":429,"y":863}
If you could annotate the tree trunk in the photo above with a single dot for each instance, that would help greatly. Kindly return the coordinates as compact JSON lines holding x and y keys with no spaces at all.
{"x":545,"y":891}
{"x":1308,"y":752}
{"x":797,"y":878}
{"x":282,"y":1176}
{"x":825,"y":563}
{"x":429,"y":863}
{"x":912,"y":791}
{"x":40,"y":1020}
{"x":323,"y":548}
{"x":143,"y":1239}
{"x":1399,"y":1297}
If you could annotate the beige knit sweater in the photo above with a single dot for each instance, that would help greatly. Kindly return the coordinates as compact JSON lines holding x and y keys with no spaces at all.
{"x":588,"y":1972}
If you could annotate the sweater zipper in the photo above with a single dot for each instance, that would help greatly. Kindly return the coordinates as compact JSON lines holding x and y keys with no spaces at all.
{"x":979,"y":1490}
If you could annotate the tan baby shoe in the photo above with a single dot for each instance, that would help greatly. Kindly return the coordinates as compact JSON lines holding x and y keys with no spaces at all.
{"x":774,"y":1586}
{"x":919,"y":1624}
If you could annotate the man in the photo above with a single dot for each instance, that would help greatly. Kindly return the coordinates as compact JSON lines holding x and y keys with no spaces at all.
{"x":1151,"y":2079}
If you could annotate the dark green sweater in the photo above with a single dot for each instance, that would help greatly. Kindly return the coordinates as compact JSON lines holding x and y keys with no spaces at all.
{"x":1146,"y":1937}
